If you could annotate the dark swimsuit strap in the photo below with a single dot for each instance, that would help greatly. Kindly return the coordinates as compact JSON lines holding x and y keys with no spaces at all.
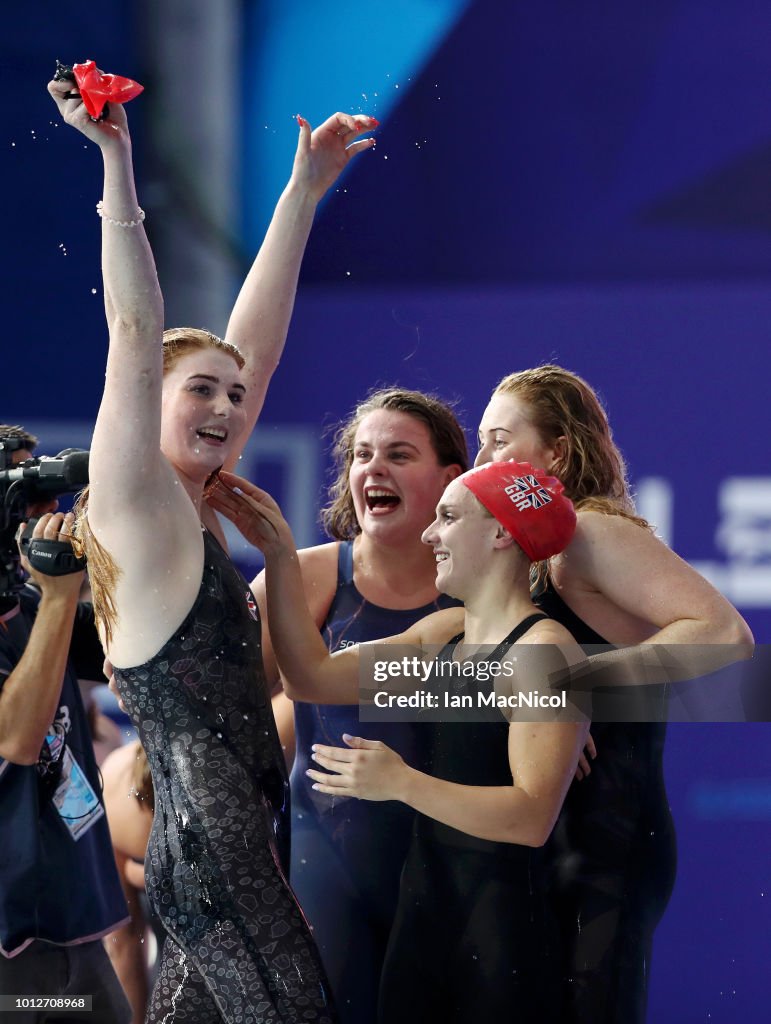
{"x":518,"y":631}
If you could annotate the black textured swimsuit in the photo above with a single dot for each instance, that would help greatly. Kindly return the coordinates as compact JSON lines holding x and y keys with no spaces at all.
{"x":615,"y":859}
{"x":239,"y":949}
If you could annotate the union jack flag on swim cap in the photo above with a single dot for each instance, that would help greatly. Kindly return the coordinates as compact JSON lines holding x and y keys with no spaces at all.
{"x":528,"y":502}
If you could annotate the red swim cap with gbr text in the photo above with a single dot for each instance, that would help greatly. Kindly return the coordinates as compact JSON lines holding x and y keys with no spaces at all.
{"x":528,"y":502}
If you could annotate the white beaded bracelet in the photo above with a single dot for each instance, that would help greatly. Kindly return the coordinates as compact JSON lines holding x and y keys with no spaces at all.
{"x":120,"y":223}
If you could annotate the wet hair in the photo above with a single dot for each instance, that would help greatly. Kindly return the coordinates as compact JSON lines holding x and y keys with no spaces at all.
{"x":103,"y":573}
{"x":141,"y":779}
{"x":179,"y":341}
{"x":447,"y":440}
{"x":560,"y":404}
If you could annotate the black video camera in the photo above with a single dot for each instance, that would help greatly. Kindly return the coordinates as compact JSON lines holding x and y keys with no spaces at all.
{"x":35,"y":480}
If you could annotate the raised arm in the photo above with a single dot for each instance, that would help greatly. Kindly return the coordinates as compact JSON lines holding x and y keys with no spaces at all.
{"x":260,"y":319}
{"x":125,"y":454}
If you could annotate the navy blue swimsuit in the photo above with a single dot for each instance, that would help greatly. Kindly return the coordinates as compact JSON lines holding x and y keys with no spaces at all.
{"x":347,"y":855}
{"x":239,"y":949}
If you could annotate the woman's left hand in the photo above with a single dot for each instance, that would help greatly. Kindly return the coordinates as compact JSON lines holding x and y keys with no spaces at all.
{"x":323,"y":154}
{"x":369,"y":770}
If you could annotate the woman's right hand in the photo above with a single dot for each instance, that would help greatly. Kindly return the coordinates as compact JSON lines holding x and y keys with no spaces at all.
{"x":323,"y":154}
{"x":111,"y":131}
{"x":253,"y":511}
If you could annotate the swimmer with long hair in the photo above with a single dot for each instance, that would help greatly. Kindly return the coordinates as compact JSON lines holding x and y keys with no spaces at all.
{"x":616,"y":583}
{"x":178,"y":621}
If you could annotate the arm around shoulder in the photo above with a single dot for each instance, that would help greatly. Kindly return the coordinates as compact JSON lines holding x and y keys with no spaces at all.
{"x":636,"y":571}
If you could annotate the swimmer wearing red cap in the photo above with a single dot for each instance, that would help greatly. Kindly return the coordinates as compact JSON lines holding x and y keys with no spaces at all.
{"x":474,"y":934}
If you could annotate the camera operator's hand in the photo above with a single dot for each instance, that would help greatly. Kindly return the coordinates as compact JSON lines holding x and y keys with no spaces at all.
{"x":31,"y":692}
{"x":54,"y":526}
{"x":110,"y":132}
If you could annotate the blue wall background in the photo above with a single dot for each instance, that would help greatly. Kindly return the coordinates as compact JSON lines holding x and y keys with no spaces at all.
{"x":581,"y":183}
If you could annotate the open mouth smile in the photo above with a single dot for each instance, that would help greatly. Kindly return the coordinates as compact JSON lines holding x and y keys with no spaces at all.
{"x":381,"y":501}
{"x":213,"y":435}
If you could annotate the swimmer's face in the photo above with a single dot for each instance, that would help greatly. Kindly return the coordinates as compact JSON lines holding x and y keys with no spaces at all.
{"x":202,"y":412}
{"x":395,"y":476}
{"x":463,"y":536}
{"x":507,"y":432}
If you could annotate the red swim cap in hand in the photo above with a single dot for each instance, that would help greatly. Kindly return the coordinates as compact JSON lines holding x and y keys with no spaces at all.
{"x":97,"y":88}
{"x":530,"y":504}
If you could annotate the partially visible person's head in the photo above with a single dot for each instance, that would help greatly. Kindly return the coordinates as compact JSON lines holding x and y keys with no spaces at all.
{"x":552,"y":418}
{"x":202,"y":414}
{"x":395,"y":455}
{"x":20,"y":443}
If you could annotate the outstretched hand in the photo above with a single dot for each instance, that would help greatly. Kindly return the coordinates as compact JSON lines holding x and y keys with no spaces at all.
{"x":324,"y":153}
{"x":112,"y":130}
{"x":253,"y":511}
{"x":369,"y":769}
